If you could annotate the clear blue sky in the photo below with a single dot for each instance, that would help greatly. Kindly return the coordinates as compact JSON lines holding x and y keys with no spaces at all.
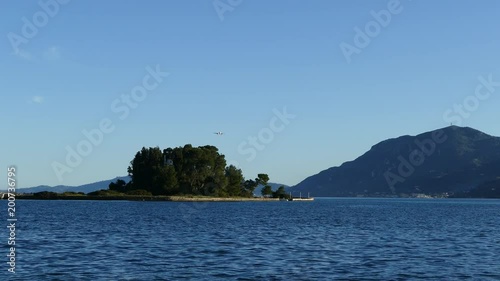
{"x":229,"y":75}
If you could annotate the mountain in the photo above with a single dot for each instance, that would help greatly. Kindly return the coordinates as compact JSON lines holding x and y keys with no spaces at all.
{"x":490,"y":189}
{"x":86,"y":188}
{"x":449,"y":160}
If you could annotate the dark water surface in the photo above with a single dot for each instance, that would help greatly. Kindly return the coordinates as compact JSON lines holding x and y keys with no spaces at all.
{"x":328,"y":239}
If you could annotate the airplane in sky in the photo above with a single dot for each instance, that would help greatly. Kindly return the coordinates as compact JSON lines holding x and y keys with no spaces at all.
{"x":219,"y":133}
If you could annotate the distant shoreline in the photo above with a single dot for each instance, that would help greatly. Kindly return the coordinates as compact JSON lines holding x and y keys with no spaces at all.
{"x":149,"y":198}
{"x":178,"y":198}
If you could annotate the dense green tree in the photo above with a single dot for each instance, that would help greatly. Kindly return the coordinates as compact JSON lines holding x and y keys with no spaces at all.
{"x":280,"y":193}
{"x":267,"y":190}
{"x":105,"y":192}
{"x":249,"y":187}
{"x":139,"y":192}
{"x":171,"y":184}
{"x":200,"y":170}
{"x":187,"y":170}
{"x":45,"y":195}
{"x":215,"y":182}
{"x":144,"y":168}
{"x":262,"y":179}
{"x":120,"y":186}
{"x":234,"y":181}
{"x":164,"y":180}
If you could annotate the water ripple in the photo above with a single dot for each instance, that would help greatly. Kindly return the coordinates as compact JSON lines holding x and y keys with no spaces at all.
{"x":335,"y":239}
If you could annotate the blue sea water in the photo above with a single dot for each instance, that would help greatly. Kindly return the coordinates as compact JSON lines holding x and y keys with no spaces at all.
{"x":327,"y":239}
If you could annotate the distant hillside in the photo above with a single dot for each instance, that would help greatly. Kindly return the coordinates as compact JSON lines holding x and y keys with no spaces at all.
{"x":490,"y":189}
{"x":453,"y":159}
{"x":86,"y":188}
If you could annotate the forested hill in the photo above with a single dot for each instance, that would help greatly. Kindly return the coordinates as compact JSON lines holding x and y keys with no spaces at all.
{"x":450,"y":160}
{"x":85,"y":188}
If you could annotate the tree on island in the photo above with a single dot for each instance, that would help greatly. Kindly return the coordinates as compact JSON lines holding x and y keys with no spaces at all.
{"x":235,"y":181}
{"x":280,"y":193}
{"x":119,"y":185}
{"x":249,"y":187}
{"x":186,"y":170}
{"x":263,"y":179}
{"x":267,"y":191}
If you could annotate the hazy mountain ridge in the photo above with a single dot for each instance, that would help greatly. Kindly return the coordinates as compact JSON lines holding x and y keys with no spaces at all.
{"x":465,"y":159}
{"x":86,"y":188}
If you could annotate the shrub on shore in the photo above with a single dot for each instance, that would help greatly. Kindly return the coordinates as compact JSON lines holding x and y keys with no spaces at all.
{"x":105,"y":192}
{"x":45,"y":195}
{"x":139,"y":192}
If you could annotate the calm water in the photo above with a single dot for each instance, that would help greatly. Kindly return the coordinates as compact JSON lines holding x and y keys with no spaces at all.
{"x":328,"y":239}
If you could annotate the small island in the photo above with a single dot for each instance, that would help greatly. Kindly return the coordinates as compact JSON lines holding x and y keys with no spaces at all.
{"x":178,"y":174}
